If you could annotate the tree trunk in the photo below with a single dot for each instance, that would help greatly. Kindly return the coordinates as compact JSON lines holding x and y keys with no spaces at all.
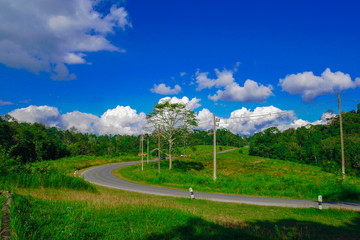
{"x":170,"y":159}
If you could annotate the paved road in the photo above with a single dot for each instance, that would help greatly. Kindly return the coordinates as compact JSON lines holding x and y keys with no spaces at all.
{"x":102,"y":176}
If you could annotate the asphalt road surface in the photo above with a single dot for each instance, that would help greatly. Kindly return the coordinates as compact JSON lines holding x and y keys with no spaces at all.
{"x":103,"y":176}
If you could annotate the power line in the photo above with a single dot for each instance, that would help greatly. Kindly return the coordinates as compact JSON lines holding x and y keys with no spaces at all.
{"x":283,"y":112}
{"x":350,"y":100}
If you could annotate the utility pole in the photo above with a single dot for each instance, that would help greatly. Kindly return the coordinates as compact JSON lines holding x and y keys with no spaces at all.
{"x":341,"y":140}
{"x":214,"y":148}
{"x":159,"y":149}
{"x":142,"y":152}
{"x":148,"y":150}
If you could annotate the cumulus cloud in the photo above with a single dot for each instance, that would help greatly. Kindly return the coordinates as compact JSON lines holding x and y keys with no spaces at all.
{"x":182,"y":74}
{"x":310,"y":86}
{"x":120,"y":120}
{"x":250,"y":92}
{"x":325,"y":118}
{"x":190,"y":104}
{"x":50,"y":116}
{"x":4,"y":103}
{"x":164,"y":90}
{"x":126,"y":121}
{"x":232,"y":91}
{"x":83,"y":122}
{"x":223,"y":79}
{"x":205,"y":118}
{"x":46,"y":35}
{"x":247,"y":122}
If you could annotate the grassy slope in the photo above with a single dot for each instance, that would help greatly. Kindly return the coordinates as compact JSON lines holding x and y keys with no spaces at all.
{"x":48,"y":213}
{"x":111,"y":214}
{"x":70,"y":164}
{"x":239,"y":173}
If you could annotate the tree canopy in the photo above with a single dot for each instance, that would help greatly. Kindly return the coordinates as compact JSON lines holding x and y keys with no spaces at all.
{"x":170,"y":119}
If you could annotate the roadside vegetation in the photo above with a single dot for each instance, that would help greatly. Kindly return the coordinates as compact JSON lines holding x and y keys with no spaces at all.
{"x":239,"y":173}
{"x":317,"y":145}
{"x":112,"y":214}
{"x":2,"y":202}
{"x":37,"y":164}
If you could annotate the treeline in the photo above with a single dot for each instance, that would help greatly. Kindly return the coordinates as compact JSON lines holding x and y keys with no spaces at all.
{"x":316,"y":145}
{"x":36,"y":142}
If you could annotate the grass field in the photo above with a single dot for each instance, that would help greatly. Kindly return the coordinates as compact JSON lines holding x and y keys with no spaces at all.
{"x":239,"y":173}
{"x":63,"y":213}
{"x":112,"y":214}
{"x":70,"y":164}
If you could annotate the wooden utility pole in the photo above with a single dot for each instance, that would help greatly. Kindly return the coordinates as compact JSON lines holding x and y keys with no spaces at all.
{"x":341,"y":140}
{"x":159,"y":149}
{"x":148,"y":150}
{"x":142,"y":152}
{"x":214,"y":148}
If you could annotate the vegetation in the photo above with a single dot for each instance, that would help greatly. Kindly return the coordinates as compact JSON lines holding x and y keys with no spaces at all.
{"x":2,"y":202}
{"x":71,"y":164}
{"x":317,"y":145}
{"x":50,"y":203}
{"x":171,"y":121}
{"x":35,"y":142}
{"x":239,"y":173}
{"x":111,"y":214}
{"x":15,"y":174}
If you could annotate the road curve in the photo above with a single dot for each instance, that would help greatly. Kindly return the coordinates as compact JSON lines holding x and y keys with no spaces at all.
{"x":103,"y":176}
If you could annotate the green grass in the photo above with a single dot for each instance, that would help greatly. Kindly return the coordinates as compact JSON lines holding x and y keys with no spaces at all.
{"x":239,"y":173}
{"x":58,"y":173}
{"x":202,"y":149}
{"x":48,"y":178}
{"x":70,"y":164}
{"x":111,"y":214}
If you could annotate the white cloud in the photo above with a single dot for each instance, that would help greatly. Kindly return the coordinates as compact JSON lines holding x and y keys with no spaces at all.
{"x":310,"y":86}
{"x":182,"y":74}
{"x":45,"y":35}
{"x":190,"y":104}
{"x":83,"y":122}
{"x":126,"y":121}
{"x":246,"y":122}
{"x":303,"y":123}
{"x":164,"y":90}
{"x":250,"y":92}
{"x":4,"y":103}
{"x":223,"y":79}
{"x":120,"y":120}
{"x":49,"y":116}
{"x":205,"y":118}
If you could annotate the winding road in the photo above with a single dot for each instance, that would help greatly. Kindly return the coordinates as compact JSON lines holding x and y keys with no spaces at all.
{"x":103,"y":176}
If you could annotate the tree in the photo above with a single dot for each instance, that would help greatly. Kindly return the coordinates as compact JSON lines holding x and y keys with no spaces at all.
{"x":171,"y":118}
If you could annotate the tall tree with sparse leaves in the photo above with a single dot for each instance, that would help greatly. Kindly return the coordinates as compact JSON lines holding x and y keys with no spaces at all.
{"x":171,"y":118}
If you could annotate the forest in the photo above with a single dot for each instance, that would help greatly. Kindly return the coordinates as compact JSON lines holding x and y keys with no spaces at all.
{"x":37,"y":142}
{"x":314,"y":144}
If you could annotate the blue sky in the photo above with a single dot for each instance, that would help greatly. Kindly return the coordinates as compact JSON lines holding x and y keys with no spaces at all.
{"x":173,"y":43}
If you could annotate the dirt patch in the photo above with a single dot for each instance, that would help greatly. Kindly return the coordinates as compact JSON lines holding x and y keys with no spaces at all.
{"x":5,"y":233}
{"x":256,"y":162}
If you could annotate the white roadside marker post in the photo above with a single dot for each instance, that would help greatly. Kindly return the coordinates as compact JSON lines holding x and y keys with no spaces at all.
{"x":320,"y":200}
{"x":192,"y":197}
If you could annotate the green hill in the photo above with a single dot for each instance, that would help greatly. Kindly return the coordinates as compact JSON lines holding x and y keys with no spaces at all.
{"x":239,"y":173}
